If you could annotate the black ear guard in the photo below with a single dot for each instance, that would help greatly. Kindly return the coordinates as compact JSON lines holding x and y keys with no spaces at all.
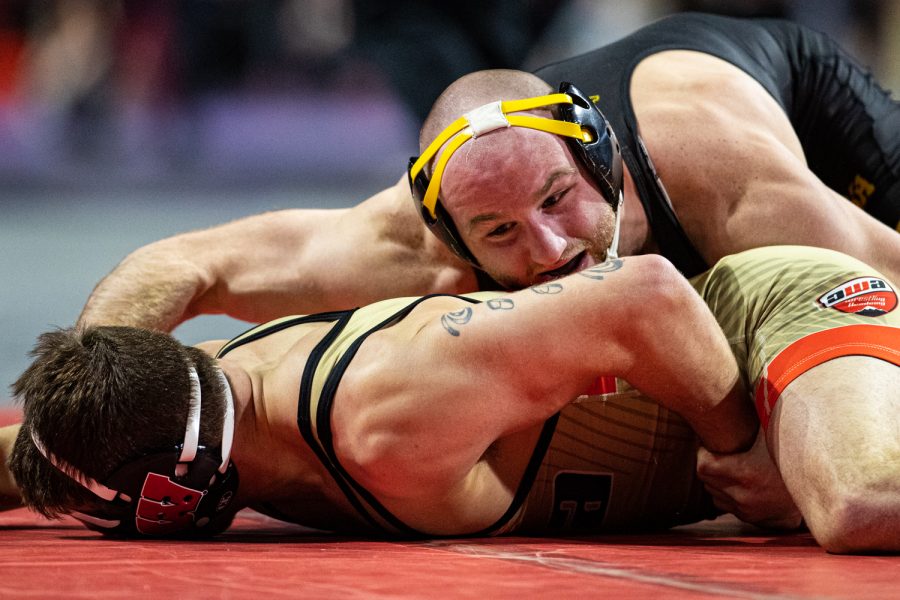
{"x":602,"y":157}
{"x":442,"y":224}
{"x":185,"y":489}
{"x":597,"y":149}
{"x":152,"y":501}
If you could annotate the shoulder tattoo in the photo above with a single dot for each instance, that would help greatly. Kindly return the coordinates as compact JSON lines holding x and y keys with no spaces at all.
{"x":452,"y":320}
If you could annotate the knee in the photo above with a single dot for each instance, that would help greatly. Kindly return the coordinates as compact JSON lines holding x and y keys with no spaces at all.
{"x":859,"y":522}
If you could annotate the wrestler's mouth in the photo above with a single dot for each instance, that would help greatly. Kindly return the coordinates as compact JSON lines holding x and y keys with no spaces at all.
{"x":576,"y":264}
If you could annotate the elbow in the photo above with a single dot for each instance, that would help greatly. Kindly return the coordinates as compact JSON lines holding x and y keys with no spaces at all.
{"x":659,"y":299}
{"x":665,"y":292}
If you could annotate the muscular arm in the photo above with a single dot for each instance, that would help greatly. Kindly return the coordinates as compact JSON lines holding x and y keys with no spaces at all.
{"x":452,"y":378}
{"x":286,"y":262}
{"x":738,"y":179}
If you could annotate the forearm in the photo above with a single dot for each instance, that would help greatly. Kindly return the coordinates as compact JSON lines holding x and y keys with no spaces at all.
{"x":155,"y":287}
{"x":9,"y":491}
{"x":252,"y":269}
{"x":279,"y":263}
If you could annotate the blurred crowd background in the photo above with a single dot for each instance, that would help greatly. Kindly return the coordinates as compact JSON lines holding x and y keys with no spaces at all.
{"x":126,"y":121}
{"x":262,"y":92}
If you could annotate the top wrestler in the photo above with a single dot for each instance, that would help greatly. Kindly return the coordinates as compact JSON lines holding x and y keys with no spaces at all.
{"x":438,"y":416}
{"x":755,"y":129}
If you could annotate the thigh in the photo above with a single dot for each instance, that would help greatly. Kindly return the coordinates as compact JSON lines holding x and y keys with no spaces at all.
{"x":835,"y":436}
{"x":785,"y":309}
{"x":841,"y":421}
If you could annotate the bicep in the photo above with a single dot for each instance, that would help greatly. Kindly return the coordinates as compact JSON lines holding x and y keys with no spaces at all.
{"x":790,"y":205}
{"x":747,"y":185}
{"x":512,"y":361}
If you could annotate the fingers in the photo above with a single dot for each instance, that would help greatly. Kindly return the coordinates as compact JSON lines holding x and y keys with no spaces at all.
{"x":711,"y":470}
{"x":767,"y":510}
{"x":749,"y":486}
{"x":733,"y":467}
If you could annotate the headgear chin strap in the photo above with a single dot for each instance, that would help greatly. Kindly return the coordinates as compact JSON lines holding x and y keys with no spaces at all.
{"x":577,"y":119}
{"x":164,"y":492}
{"x":613,"y":250}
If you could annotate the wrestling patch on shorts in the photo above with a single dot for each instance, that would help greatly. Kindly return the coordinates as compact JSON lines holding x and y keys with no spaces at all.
{"x":864,"y":296}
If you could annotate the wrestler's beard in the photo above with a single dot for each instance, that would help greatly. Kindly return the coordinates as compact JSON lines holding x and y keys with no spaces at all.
{"x":596,"y":247}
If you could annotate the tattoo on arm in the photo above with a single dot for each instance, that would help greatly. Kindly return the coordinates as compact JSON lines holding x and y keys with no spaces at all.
{"x":500,"y":304}
{"x":547,"y":288}
{"x":457,"y":317}
{"x":450,"y":321}
{"x":598,"y":271}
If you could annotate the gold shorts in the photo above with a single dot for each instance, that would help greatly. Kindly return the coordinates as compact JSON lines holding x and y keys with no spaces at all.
{"x":787,"y":309}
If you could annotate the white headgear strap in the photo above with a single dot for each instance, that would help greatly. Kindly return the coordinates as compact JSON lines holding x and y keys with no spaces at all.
{"x":228,"y":425}
{"x":92,"y":485}
{"x":613,"y":250}
{"x":192,"y":429}
{"x":486,"y":118}
{"x":188,"y":450}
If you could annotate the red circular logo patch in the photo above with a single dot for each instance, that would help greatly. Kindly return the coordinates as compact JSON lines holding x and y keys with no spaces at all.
{"x":865,"y":296}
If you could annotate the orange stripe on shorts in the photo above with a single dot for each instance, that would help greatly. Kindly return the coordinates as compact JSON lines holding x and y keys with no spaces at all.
{"x":878,"y":341}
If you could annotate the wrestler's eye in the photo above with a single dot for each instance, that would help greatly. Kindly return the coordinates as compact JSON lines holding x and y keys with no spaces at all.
{"x":552,"y":200}
{"x":500,"y":230}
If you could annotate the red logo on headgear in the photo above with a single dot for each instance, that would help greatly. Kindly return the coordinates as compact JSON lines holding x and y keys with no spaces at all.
{"x":865,"y":296}
{"x":165,"y":506}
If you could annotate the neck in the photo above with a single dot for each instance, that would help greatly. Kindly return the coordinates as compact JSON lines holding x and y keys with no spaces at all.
{"x":271,"y":457}
{"x":635,"y":236}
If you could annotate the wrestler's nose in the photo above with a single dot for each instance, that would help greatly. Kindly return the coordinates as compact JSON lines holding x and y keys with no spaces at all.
{"x":547,"y":246}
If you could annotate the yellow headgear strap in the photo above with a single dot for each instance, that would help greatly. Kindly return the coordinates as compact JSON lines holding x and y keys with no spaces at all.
{"x":464,"y":128}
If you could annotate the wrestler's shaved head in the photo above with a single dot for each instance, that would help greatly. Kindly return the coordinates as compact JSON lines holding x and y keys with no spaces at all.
{"x":474,"y":90}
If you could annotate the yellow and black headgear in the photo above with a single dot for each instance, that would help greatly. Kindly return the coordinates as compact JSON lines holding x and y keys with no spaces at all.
{"x":577,"y":118}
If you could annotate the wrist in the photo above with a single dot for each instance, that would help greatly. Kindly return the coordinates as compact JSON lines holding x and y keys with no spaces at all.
{"x":729,"y":427}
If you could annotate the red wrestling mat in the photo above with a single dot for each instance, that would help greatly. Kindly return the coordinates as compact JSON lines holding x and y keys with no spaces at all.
{"x":259,"y":557}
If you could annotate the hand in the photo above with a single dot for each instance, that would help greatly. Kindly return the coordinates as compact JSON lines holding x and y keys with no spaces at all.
{"x":749,"y":485}
{"x":9,"y":492}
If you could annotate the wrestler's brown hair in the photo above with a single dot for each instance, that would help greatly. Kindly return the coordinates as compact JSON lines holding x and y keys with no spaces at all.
{"x":99,"y":397}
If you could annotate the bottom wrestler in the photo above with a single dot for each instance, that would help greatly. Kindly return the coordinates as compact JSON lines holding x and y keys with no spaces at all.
{"x":454,"y":415}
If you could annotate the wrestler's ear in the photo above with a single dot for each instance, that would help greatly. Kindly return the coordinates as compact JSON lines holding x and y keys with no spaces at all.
{"x":601,"y":155}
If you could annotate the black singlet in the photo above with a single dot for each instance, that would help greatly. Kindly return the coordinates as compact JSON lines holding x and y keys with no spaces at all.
{"x":848,"y":126}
